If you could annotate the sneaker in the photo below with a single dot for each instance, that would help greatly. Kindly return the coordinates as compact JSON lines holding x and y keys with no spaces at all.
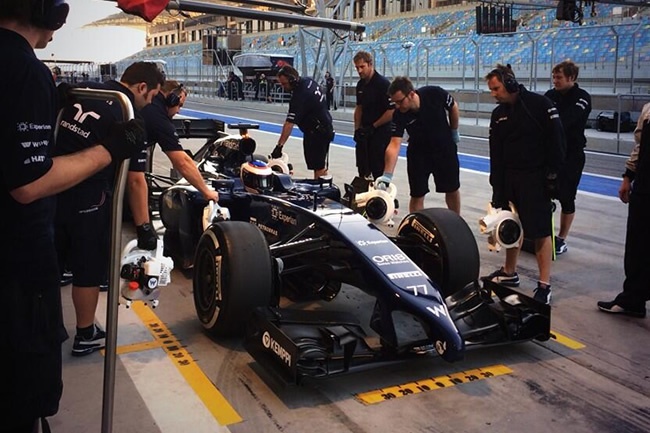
{"x":560,"y":246}
{"x":66,"y":277}
{"x":614,"y":308}
{"x":501,"y":277}
{"x":85,"y":346}
{"x":542,"y":294}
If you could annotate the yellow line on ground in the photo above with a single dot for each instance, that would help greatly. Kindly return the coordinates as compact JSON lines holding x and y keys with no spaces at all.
{"x":566,"y":341}
{"x":432,"y":383}
{"x":136,"y":347}
{"x":215,"y":402}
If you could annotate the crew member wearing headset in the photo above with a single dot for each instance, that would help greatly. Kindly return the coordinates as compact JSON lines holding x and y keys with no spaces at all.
{"x":526,"y":154}
{"x":308,"y":110}
{"x":574,"y":106}
{"x":31,"y":322}
{"x":160,"y":129}
{"x":430,"y":116}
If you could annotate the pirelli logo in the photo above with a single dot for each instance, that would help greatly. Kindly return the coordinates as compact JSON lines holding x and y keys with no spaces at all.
{"x":426,"y":234}
{"x":402,"y":275}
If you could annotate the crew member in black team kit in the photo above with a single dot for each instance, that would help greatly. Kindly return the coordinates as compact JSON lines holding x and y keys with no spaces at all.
{"x":160,"y":130}
{"x":526,"y":154}
{"x":574,"y":106}
{"x":31,"y":320}
{"x":430,"y":115}
{"x":308,"y":110}
{"x":83,"y":212}
{"x":372,"y":117}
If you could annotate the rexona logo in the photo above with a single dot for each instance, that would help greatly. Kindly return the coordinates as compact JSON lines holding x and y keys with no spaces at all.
{"x":275,"y":347}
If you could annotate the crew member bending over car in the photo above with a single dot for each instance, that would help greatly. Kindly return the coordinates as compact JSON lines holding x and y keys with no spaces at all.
{"x":433,"y":142}
{"x":160,"y":129}
{"x":83,"y":212}
{"x":308,"y":110}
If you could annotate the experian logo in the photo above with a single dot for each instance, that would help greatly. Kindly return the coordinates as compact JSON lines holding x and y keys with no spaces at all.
{"x":275,"y":347}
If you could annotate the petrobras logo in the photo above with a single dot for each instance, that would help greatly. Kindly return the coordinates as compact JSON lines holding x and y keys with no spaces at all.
{"x":263,"y":227}
{"x":403,"y":275}
{"x":282,"y":216}
{"x":375,"y":242}
{"x":426,"y":234}
{"x":390,"y":259}
{"x":275,"y":347}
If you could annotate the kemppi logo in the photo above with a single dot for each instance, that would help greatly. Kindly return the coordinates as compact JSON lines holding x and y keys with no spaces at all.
{"x":276,"y":348}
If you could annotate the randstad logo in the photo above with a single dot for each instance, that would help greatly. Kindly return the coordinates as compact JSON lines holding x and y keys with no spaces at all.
{"x":81,"y":116}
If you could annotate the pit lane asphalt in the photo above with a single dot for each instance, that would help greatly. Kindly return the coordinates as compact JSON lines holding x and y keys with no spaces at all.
{"x":604,"y":386}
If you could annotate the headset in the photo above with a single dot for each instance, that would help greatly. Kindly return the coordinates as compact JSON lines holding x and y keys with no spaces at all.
{"x":174,"y":98}
{"x":290,"y":73}
{"x":508,"y":79}
{"x":49,"y":14}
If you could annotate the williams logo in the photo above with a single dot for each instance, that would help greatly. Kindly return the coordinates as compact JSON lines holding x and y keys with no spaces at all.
{"x":274,"y":346}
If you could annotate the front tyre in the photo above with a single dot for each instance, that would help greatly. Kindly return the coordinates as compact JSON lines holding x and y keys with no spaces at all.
{"x":441,"y":243}
{"x":232,"y":276}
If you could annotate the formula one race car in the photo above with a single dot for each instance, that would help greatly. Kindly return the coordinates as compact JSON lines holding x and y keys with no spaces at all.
{"x":274,"y":239}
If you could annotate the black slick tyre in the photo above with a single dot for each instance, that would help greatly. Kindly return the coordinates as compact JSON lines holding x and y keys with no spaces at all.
{"x":232,"y":276}
{"x":441,"y":243}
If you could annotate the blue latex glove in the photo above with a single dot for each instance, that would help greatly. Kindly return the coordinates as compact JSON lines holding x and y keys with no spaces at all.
{"x":455,"y":136}
{"x":383,"y":181}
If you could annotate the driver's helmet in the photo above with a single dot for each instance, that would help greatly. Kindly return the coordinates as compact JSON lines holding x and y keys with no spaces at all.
{"x":257,"y":176}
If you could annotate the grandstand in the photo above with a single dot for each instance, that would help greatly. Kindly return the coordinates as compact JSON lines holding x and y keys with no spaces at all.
{"x":612,"y":48}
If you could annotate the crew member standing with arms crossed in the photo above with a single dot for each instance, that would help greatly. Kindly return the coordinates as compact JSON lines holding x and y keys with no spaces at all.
{"x":372,"y":117}
{"x":574,"y":106}
{"x":433,"y":140}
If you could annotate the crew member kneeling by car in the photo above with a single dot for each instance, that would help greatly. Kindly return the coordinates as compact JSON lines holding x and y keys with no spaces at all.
{"x":308,"y":110}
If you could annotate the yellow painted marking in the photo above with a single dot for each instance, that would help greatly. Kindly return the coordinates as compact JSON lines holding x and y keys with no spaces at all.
{"x":213,"y":400}
{"x":566,"y":341}
{"x":432,"y":383}
{"x":136,"y":347}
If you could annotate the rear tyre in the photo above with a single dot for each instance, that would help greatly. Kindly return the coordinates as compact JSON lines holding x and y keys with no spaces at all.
{"x":232,"y":276}
{"x":441,"y":243}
